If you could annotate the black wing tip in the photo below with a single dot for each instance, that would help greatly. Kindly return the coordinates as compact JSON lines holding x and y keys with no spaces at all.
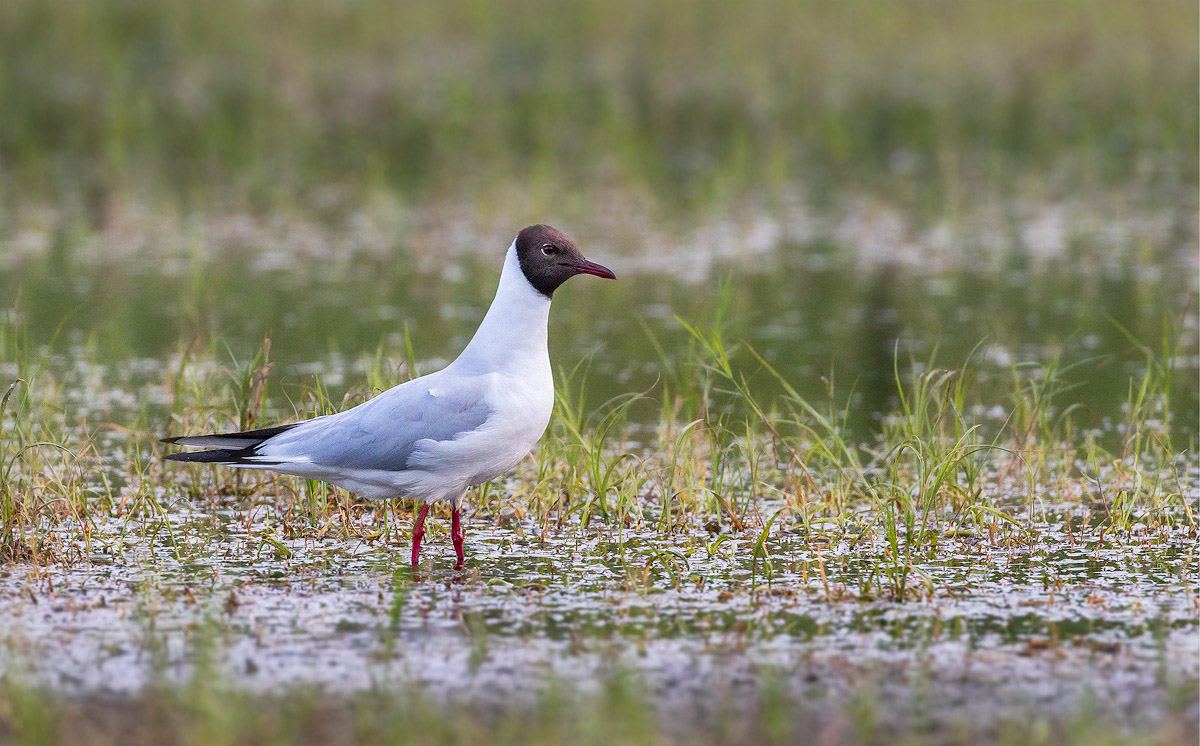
{"x":252,"y":437}
{"x":228,"y":458}
{"x":228,"y":455}
{"x":262,"y":434}
{"x":204,"y":457}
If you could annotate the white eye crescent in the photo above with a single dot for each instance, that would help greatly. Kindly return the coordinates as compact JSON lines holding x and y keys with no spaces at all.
{"x":549,"y":249}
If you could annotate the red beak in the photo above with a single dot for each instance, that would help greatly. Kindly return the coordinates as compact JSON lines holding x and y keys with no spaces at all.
{"x":591,"y":268}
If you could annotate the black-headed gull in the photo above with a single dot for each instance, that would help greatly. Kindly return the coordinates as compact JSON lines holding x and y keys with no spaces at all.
{"x":436,"y":436}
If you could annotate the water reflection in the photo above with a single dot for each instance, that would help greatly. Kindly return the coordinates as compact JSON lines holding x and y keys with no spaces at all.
{"x":568,"y":600}
{"x":879,"y":346}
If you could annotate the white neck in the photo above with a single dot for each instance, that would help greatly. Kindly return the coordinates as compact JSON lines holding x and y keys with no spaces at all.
{"x":512,"y":336}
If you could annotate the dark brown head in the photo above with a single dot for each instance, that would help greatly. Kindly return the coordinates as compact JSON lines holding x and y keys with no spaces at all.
{"x":548,"y":259}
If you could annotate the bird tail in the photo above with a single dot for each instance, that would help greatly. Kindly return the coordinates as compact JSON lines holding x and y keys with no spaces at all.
{"x":232,"y":449}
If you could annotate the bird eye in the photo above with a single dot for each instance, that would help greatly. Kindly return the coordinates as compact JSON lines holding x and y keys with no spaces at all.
{"x":549,"y":249}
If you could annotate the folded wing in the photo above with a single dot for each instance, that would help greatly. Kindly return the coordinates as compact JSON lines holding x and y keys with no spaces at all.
{"x":380,"y":434}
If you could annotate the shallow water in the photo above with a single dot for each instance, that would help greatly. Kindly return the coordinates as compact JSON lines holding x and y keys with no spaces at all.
{"x":1005,"y":626}
{"x":1043,"y":620}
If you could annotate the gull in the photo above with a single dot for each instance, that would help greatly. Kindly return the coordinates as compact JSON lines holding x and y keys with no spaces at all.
{"x":433,"y":438}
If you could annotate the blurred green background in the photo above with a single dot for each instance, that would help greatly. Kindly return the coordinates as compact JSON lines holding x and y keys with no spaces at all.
{"x":260,"y":104}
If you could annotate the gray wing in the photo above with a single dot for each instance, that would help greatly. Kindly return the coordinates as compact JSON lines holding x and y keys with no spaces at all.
{"x":383,"y":432}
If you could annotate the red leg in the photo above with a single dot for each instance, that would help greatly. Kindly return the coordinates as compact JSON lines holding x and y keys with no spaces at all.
{"x":419,"y":533}
{"x":456,"y":533}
